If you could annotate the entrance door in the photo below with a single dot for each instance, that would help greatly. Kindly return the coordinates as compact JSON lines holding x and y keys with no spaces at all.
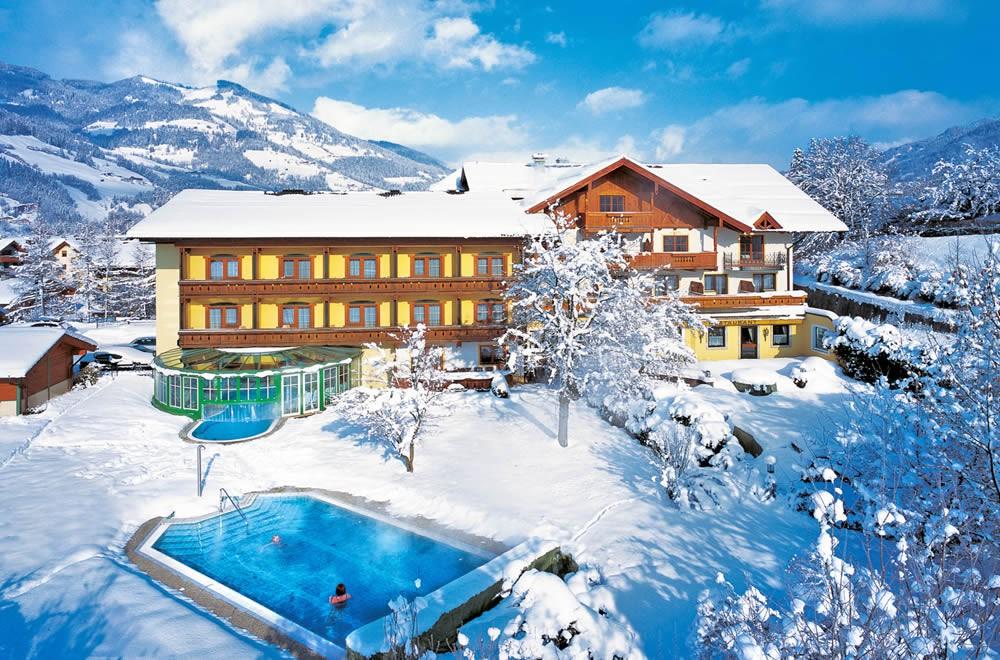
{"x":290,"y":394}
{"x":310,"y":392}
{"x":748,"y":342}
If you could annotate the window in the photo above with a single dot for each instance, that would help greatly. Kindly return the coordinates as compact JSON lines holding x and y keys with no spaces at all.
{"x":222,"y":316}
{"x":189,"y":393}
{"x":365,"y":267}
{"x":330,"y":375}
{"x":751,"y":248}
{"x":491,"y":311}
{"x":211,"y":389}
{"x":819,"y":337}
{"x":780,"y":335}
{"x":717,"y":337}
{"x":664,"y":282}
{"x":174,"y":398}
{"x":228,"y":389}
{"x":427,"y":313}
{"x":362,"y":315}
{"x":296,"y":267}
{"x":426,"y":267}
{"x":764,"y":281}
{"x":492,"y":355}
{"x":296,"y":315}
{"x":612,"y":203}
{"x":65,"y":253}
{"x":675,"y":243}
{"x":225,"y":267}
{"x":492,"y":266}
{"x":716,"y":284}
{"x":267,"y":387}
{"x":248,"y":386}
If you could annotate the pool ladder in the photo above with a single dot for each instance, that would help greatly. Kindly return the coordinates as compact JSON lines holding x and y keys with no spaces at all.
{"x":223,"y":496}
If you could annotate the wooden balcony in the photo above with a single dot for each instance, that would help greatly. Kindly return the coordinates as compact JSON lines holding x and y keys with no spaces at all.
{"x":247,"y":338}
{"x":626,"y":221}
{"x":773,"y":261}
{"x":711,"y":301}
{"x":374,"y":286}
{"x":677,"y":260}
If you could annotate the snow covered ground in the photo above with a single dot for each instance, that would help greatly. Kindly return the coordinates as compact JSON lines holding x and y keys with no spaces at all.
{"x":101,"y":461}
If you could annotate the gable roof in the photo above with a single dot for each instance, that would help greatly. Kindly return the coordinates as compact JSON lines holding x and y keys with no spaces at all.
{"x":254,"y":214}
{"x":739,"y":195}
{"x":21,"y":347}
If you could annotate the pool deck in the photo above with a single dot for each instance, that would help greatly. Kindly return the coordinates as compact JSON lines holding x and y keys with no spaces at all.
{"x":262,"y":623}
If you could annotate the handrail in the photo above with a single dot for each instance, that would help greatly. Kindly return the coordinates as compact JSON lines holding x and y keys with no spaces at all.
{"x":223,"y":496}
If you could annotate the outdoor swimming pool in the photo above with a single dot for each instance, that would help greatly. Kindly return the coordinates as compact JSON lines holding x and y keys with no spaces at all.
{"x":224,"y":431}
{"x":321,"y":545}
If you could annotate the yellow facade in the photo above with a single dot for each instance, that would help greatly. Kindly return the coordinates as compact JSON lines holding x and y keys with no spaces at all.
{"x":799,"y":345}
{"x":168,"y":309}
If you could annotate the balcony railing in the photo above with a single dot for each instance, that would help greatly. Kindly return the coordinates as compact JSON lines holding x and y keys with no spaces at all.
{"x":678,"y":260}
{"x":713,"y":301}
{"x":624,"y":221}
{"x":384,"y":285}
{"x":248,"y":338}
{"x":754,"y":261}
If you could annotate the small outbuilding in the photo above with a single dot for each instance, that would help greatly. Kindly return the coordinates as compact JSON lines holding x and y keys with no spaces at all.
{"x":36,"y":364}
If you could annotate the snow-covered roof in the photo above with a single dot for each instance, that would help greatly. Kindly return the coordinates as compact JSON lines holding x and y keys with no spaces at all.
{"x":743,"y":192}
{"x":21,"y":347}
{"x":516,"y":179}
{"x":254,"y":214}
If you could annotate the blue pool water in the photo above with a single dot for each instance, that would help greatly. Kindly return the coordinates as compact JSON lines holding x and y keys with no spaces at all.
{"x":226,"y":430}
{"x":321,"y":545}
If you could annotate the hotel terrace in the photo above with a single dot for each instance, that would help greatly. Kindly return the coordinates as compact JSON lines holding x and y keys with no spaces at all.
{"x":246,"y":280}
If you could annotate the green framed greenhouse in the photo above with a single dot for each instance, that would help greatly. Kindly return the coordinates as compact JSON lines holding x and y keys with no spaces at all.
{"x":239,"y":385}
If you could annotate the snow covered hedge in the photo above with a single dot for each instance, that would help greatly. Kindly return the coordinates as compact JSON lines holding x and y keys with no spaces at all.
{"x":892,"y":270}
{"x":868,"y":351}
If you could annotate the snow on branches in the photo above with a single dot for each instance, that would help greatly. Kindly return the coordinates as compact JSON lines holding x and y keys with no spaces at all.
{"x":964,"y":190}
{"x":414,"y":381}
{"x":585,"y":317}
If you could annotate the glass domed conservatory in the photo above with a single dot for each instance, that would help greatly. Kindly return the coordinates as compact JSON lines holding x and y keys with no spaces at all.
{"x":252,"y":385}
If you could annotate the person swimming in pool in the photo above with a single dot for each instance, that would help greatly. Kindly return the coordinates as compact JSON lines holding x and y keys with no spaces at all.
{"x":341,"y":596}
{"x":275,"y":540}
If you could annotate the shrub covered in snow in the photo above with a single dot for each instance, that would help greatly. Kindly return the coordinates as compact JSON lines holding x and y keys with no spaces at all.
{"x":888,"y":266}
{"x":869,"y":351}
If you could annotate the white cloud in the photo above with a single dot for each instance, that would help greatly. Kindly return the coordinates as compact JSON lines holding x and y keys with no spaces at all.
{"x":852,"y":11}
{"x":410,"y":31}
{"x":557,"y":38}
{"x":612,"y":99}
{"x":669,"y":141}
{"x":678,"y":29}
{"x":738,"y":68}
{"x":448,"y":139}
{"x":760,"y":131}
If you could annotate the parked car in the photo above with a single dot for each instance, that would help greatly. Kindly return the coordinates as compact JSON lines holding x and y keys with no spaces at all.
{"x":145,"y":344}
{"x":137,"y":354}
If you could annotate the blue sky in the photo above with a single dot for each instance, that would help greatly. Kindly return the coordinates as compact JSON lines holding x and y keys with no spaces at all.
{"x":726,"y":81}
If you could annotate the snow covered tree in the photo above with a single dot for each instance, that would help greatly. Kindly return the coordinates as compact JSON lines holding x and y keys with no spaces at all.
{"x":415,"y":380}
{"x":846,"y":175}
{"x":584,"y":316}
{"x":42,"y":283}
{"x":964,"y":190}
{"x":97,"y":266}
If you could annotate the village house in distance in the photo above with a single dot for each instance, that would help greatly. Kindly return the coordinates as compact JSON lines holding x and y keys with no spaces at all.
{"x":267,"y":300}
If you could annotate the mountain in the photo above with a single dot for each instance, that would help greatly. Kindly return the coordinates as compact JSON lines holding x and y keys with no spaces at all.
{"x":83,"y":147}
{"x":915,"y":160}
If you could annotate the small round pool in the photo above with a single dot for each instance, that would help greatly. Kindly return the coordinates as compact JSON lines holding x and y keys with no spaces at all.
{"x":230,"y":430}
